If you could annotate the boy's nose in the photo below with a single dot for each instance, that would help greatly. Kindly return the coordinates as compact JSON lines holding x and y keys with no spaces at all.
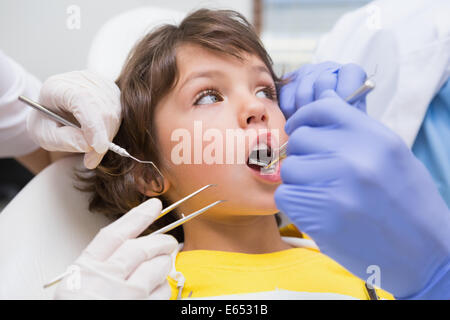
{"x":253,"y":111}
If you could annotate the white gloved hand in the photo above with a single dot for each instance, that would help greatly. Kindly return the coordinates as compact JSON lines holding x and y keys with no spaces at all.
{"x":116,"y":265}
{"x":92,"y":100}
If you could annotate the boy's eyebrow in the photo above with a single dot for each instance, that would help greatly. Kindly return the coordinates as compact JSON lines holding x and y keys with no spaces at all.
{"x":211,"y":73}
{"x":201,"y":74}
{"x":261,"y":69}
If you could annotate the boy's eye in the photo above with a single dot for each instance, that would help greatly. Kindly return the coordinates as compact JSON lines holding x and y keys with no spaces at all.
{"x":269,"y":93}
{"x":208,"y":96}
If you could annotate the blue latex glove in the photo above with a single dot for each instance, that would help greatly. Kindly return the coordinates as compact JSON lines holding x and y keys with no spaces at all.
{"x":311,"y":80}
{"x":353,"y":186}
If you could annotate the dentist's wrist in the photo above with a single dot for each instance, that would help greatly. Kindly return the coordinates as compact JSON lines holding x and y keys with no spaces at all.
{"x":438,"y":288}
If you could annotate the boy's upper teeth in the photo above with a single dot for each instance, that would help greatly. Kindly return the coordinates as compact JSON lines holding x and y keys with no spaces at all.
{"x":260,"y":146}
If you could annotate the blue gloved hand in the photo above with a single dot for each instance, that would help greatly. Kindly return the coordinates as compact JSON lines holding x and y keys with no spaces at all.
{"x":353,"y":186}
{"x":310,"y":81}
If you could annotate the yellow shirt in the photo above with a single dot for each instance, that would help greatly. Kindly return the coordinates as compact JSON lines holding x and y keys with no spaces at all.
{"x":297,"y":273}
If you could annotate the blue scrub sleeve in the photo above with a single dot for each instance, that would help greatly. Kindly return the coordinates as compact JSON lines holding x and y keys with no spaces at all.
{"x":432,"y":145}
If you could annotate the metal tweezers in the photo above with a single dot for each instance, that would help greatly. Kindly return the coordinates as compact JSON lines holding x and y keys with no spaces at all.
{"x":164,"y":229}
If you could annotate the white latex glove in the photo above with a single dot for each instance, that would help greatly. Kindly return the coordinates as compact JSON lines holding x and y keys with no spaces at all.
{"x":92,"y":100}
{"x":116,"y":265}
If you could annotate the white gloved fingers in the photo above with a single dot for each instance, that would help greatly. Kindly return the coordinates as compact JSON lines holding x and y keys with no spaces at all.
{"x":51,"y":136}
{"x":149,"y":257}
{"x":96,"y":280}
{"x":92,"y":159}
{"x":152,"y":273}
{"x":55,"y":94}
{"x":98,"y":109}
{"x":92,"y":100}
{"x":162,"y":292}
{"x":135,"y":251}
{"x":129,"y":226}
{"x":92,"y":119}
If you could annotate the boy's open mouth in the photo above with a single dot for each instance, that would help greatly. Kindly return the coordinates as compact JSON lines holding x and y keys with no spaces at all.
{"x":261,"y":153}
{"x":260,"y":156}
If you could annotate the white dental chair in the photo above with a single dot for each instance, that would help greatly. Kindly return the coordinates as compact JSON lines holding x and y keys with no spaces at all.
{"x":47,"y":225}
{"x":43,"y":230}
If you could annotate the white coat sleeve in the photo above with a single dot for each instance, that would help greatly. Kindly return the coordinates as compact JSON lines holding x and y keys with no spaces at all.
{"x":406,"y":44}
{"x":15,"y":81}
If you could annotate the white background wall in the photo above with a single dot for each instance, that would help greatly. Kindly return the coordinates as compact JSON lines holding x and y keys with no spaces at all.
{"x":34,"y":32}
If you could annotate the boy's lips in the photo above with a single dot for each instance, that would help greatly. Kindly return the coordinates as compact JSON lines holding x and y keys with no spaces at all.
{"x":272,"y":176}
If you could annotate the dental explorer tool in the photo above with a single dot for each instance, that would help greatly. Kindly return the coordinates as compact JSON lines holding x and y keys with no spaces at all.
{"x":112,"y":146}
{"x":165,"y":229}
{"x":367,"y":87}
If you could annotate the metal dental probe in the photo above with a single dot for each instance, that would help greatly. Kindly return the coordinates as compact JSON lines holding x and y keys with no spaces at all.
{"x":112,"y":146}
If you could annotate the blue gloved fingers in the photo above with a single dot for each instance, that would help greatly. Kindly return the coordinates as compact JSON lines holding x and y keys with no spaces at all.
{"x":304,"y":93}
{"x":326,"y":81}
{"x":306,"y":140}
{"x":316,"y":169}
{"x":305,"y":203}
{"x":328,"y":110}
{"x":300,"y":90}
{"x":286,"y":97}
{"x":288,"y":196}
{"x":287,"y":92}
{"x":310,"y":81}
{"x":351,"y":78}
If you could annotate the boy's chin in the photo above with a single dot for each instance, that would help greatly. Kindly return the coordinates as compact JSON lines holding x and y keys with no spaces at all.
{"x":267,"y":204}
{"x":266,"y":209}
{"x":253,"y":209}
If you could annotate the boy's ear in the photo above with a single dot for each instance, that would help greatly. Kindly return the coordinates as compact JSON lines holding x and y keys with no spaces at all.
{"x":149,"y":186}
